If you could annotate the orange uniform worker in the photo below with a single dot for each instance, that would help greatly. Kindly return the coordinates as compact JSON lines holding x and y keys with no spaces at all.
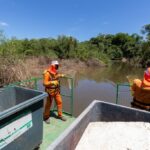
{"x":141,"y":91}
{"x":51,"y":83}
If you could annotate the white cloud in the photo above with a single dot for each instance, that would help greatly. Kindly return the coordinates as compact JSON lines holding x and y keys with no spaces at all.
{"x":4,"y":24}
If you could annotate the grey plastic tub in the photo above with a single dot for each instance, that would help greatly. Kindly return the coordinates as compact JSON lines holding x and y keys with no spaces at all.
{"x":21,"y":118}
{"x":97,"y":111}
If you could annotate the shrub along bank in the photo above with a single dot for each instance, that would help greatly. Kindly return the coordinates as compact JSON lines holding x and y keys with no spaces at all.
{"x":100,"y":49}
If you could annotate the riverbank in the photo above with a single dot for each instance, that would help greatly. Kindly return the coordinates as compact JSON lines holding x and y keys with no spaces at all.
{"x":13,"y":69}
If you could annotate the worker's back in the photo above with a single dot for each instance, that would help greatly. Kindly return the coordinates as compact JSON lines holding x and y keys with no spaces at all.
{"x":141,"y":91}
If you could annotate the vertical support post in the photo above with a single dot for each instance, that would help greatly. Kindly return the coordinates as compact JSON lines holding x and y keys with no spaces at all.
{"x":72,"y":95}
{"x":35,"y":83}
{"x":117,"y":93}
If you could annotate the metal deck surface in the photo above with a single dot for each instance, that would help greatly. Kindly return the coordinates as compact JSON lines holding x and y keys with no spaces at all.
{"x":54,"y":129}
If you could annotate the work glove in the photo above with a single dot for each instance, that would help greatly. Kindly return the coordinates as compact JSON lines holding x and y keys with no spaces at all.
{"x":62,"y":75}
{"x":55,"y":82}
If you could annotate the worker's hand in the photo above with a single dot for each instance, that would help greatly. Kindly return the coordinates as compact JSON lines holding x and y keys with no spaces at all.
{"x":62,"y":75}
{"x":55,"y":82}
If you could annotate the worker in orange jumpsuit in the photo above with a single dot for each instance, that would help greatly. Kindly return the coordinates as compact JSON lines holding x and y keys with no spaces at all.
{"x":141,"y":91}
{"x":51,"y":83}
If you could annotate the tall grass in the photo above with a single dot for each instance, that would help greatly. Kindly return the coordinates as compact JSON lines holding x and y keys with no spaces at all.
{"x":14,"y":69}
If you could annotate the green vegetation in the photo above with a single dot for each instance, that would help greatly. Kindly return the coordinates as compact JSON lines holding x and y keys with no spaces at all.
{"x":105,"y":47}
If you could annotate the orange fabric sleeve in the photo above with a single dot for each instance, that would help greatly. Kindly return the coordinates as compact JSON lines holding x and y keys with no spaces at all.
{"x":47,"y":79}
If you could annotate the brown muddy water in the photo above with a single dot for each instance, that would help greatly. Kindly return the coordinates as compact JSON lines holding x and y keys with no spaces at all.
{"x":100,"y":84}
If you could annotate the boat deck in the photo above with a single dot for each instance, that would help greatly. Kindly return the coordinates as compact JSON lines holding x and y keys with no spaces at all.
{"x":54,"y":129}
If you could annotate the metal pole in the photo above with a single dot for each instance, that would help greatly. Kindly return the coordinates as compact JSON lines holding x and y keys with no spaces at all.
{"x":72,"y":95}
{"x":35,"y":84}
{"x":117,"y":93}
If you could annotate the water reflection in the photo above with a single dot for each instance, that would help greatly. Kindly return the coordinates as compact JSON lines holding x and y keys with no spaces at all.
{"x":114,"y":73}
{"x":100,"y":84}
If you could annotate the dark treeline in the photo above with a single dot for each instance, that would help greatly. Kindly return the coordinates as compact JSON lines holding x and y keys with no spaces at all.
{"x":105,"y":47}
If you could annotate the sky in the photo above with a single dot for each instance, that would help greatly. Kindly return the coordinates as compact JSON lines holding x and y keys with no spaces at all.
{"x":82,"y":19}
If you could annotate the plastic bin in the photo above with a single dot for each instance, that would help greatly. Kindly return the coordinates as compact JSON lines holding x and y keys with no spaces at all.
{"x":21,"y":118}
{"x":96,"y":111}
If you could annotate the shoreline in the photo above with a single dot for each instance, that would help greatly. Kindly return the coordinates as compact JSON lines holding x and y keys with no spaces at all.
{"x":21,"y":69}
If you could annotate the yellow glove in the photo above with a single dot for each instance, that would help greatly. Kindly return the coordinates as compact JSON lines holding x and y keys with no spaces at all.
{"x":62,"y":75}
{"x":55,"y":82}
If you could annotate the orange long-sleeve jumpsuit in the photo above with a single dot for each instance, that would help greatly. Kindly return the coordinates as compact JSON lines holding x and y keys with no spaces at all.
{"x":141,"y":92}
{"x":53,"y":93}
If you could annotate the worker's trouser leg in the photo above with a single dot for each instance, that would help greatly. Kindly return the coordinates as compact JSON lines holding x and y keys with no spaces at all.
{"x":58,"y":101}
{"x":47,"y":107}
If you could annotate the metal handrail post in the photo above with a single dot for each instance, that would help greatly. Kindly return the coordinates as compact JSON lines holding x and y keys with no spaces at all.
{"x":35,"y":83}
{"x":117,"y":93}
{"x":72,"y":95}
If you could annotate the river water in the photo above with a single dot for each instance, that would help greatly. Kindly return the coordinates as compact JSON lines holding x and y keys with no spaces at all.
{"x":100,"y":84}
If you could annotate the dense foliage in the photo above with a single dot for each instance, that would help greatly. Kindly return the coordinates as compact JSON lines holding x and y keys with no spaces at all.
{"x":104,"y":47}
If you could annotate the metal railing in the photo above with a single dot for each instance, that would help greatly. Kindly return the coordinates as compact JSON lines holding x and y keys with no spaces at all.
{"x":117,"y":90}
{"x":27,"y":83}
{"x":33,"y":83}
